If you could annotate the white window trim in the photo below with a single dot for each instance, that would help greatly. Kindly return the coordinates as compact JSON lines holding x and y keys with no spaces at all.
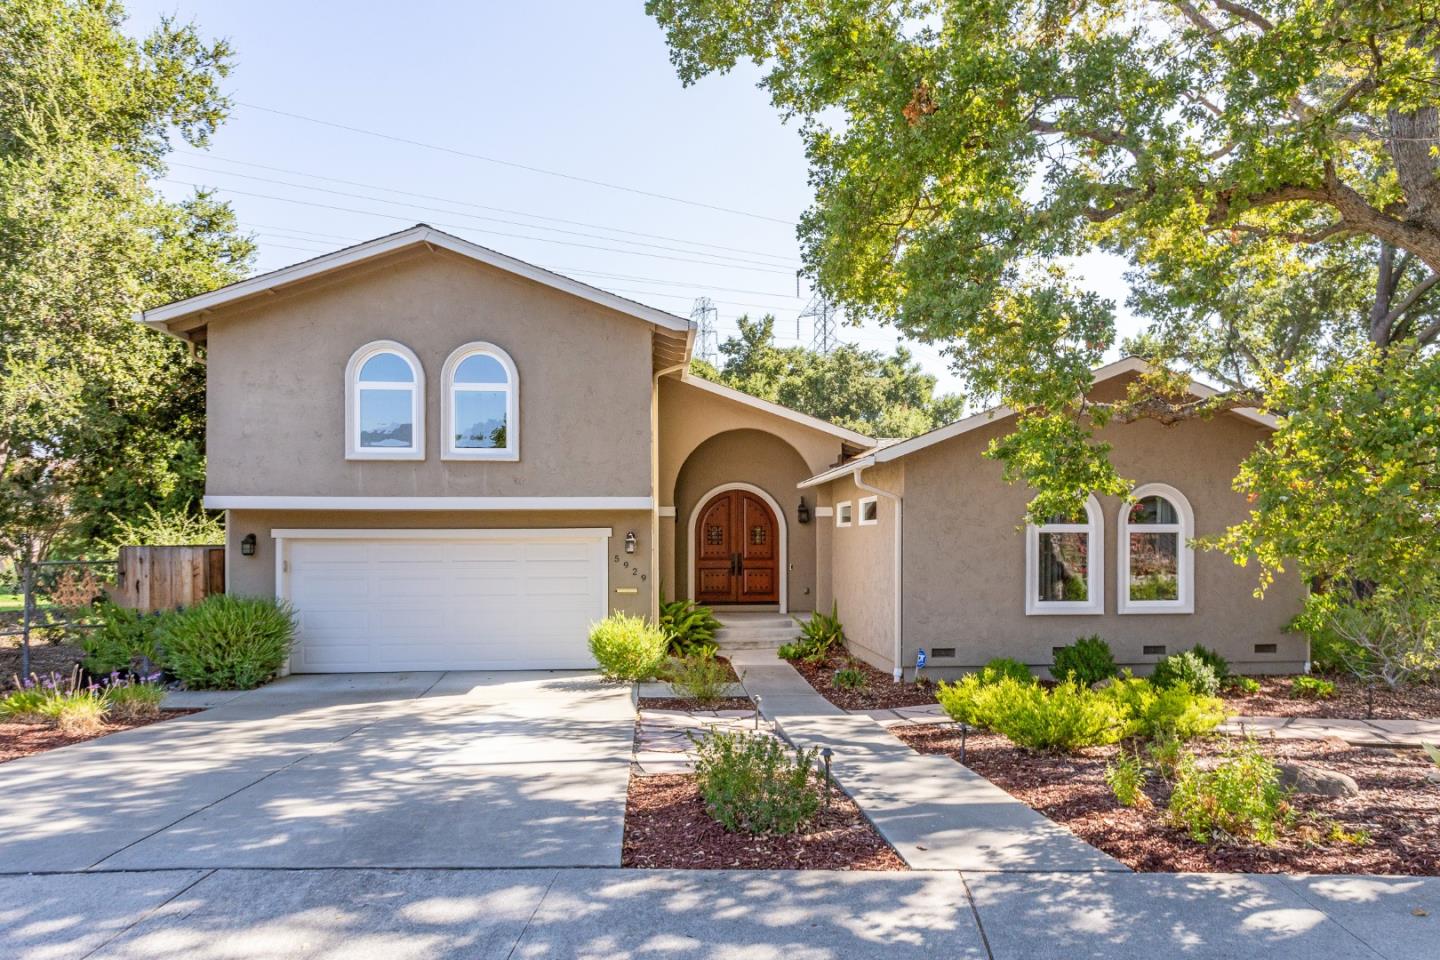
{"x":353,"y":450}
{"x":1185,"y":559}
{"x":511,"y":450}
{"x":860,"y":515}
{"x":1095,"y":575}
{"x":843,"y":514}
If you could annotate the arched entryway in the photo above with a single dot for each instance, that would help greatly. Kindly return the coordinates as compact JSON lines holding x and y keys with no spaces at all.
{"x":738,"y":549}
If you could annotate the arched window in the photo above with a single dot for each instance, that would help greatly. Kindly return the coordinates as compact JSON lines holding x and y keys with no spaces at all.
{"x":384,"y":403}
{"x":1065,"y":564}
{"x":481,"y":409}
{"x":1157,"y":564}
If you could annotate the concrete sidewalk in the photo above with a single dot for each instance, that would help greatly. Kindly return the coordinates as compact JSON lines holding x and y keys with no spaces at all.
{"x":781,"y":689}
{"x":711,"y":915}
{"x":1363,"y":733}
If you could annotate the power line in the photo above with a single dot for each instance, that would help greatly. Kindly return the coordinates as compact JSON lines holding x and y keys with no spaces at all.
{"x":703,"y":315}
{"x":513,"y":164}
{"x":467,"y":203}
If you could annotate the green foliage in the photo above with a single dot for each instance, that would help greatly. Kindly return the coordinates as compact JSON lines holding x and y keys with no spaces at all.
{"x":850,"y":678}
{"x":860,"y":389}
{"x":819,"y":636}
{"x":1240,"y":799}
{"x":133,"y":699}
{"x":961,"y":700}
{"x":1066,"y":718}
{"x":100,"y":416}
{"x":227,"y":642}
{"x":1164,"y":713}
{"x":119,"y":636}
{"x":700,"y":676}
{"x":998,"y":668}
{"x":691,"y":627}
{"x":1088,"y":660}
{"x":1391,"y":636}
{"x":1311,"y":688}
{"x":753,"y":783}
{"x":1186,"y":668}
{"x":628,"y":647}
{"x":1238,"y":684}
{"x":1433,"y":752}
{"x":182,"y":527}
{"x":76,"y":709}
{"x":1218,"y":665}
{"x":1167,"y":754}
{"x":1125,"y":776}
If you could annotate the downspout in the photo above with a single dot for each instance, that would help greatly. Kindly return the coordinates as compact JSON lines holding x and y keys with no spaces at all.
{"x":899,"y":501}
{"x":655,"y":486}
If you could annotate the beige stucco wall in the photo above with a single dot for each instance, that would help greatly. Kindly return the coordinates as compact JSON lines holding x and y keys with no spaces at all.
{"x":256,"y":575}
{"x":276,"y":385}
{"x":862,"y":566}
{"x":767,"y":462}
{"x":964,"y":564}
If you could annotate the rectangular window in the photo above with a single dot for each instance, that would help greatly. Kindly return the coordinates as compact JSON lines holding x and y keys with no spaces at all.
{"x":869,"y":512}
{"x":480,"y":419}
{"x":842,"y":514}
{"x":1154,"y":566}
{"x":1064,"y":567}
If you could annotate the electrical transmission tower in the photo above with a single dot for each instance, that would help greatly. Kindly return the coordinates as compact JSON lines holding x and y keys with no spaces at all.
{"x":707,"y":342}
{"x":823,"y":312}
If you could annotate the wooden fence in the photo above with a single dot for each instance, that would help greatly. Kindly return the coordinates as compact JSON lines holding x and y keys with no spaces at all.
{"x":163,"y":578}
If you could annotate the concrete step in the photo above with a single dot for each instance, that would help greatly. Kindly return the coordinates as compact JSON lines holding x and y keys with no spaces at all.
{"x":790,"y":631}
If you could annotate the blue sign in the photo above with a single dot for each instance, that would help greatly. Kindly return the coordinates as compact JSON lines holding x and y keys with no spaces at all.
{"x":920,"y":659}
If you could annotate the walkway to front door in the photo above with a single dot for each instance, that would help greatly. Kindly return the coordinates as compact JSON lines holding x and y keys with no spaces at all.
{"x":737,"y":552}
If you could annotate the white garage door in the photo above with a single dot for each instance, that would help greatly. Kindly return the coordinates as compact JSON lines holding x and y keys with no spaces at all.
{"x":445,"y":600}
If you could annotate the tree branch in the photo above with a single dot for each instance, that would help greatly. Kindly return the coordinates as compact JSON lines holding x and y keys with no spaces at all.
{"x":1246,"y":14}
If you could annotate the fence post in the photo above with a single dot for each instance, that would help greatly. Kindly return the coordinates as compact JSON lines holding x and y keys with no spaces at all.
{"x":28,"y":578}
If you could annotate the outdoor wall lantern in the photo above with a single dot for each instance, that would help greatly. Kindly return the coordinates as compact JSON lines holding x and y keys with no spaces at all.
{"x":247,"y":545}
{"x":630,"y":542}
{"x":802,"y":513}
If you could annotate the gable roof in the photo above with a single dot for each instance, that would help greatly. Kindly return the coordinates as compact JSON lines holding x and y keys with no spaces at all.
{"x":162,"y":318}
{"x":894,"y":451}
{"x":857,"y":440}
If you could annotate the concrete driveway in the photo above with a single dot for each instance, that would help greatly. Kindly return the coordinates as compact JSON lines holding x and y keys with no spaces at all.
{"x":361,"y":770}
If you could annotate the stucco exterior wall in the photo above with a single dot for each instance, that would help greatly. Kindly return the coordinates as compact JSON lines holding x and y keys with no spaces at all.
{"x":256,"y":575}
{"x":964,"y":563}
{"x":862,"y":566}
{"x":276,"y":385}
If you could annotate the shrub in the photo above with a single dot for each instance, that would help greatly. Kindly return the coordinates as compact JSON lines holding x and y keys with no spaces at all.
{"x":227,"y":642}
{"x":819,"y":635}
{"x":961,"y":700}
{"x":119,"y":638}
{"x":1167,"y":754}
{"x":1001,"y":667}
{"x":701,"y":677}
{"x":1066,"y":717}
{"x":1241,"y":798}
{"x":133,"y":699}
{"x":1391,"y":637}
{"x":628,"y":648}
{"x":752,"y":783}
{"x":77,"y":709}
{"x":1217,"y":664}
{"x":183,"y":527}
{"x":850,"y":678}
{"x":1186,"y":668}
{"x":1179,"y":713}
{"x":1311,"y":688}
{"x":1088,"y":660}
{"x":690,"y":627}
{"x":78,"y":713}
{"x":1235,"y":684}
{"x":1126,"y":777}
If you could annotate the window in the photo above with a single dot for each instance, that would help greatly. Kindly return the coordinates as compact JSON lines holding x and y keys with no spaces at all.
{"x":1157,"y":564}
{"x":481,"y":411}
{"x":384,"y":403}
{"x":842,"y":513}
{"x":869,"y":512}
{"x":1064,"y":564}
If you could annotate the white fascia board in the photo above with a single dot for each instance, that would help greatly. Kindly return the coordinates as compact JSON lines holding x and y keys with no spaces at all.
{"x":835,"y":473}
{"x":775,"y":409}
{"x":224,"y":502}
{"x":393,"y":533}
{"x":160,"y":317}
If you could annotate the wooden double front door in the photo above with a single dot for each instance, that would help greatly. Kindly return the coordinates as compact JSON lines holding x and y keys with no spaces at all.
{"x":737,"y":550}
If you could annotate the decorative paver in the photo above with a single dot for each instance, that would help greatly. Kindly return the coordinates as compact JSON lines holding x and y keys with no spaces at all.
{"x":1374,"y":733}
{"x":664,"y":738}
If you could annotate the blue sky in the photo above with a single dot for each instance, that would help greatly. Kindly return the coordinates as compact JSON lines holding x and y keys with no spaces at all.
{"x":580,"y":89}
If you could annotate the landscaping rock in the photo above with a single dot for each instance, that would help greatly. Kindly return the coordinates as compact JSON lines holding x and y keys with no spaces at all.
{"x":1303,"y":778}
{"x":1103,"y":684}
{"x":1433,"y":776}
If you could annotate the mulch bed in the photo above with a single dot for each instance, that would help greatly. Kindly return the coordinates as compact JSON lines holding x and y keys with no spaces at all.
{"x":1396,"y":806}
{"x":1348,"y":703}
{"x":23,"y":739}
{"x":666,"y":827}
{"x":881,"y":692}
{"x":45,"y":657}
{"x":685,"y":703}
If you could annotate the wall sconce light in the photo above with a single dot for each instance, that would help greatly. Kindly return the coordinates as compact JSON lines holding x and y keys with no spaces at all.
{"x":630,"y":542}
{"x":247,"y":545}
{"x":802,"y":512}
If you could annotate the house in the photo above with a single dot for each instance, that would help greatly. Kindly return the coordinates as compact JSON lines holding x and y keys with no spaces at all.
{"x":446,"y":458}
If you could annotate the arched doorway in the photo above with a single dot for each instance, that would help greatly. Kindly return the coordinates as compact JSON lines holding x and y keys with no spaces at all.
{"x":737,"y":547}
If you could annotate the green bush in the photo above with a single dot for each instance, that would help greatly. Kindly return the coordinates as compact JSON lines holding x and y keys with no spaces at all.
{"x":76,"y":709}
{"x":1311,"y":688}
{"x":1126,"y":777}
{"x":1217,"y":664}
{"x":700,"y":676}
{"x":1189,"y":669}
{"x":1088,"y":660}
{"x":753,"y":783}
{"x":628,"y":648}
{"x":227,"y":642}
{"x":1066,"y":717}
{"x":819,"y":635}
{"x":1001,"y":667}
{"x":1237,"y":684}
{"x":119,"y":637}
{"x":961,"y":700}
{"x":133,"y":699}
{"x":850,"y":678}
{"x":691,"y":628}
{"x":1240,"y":799}
{"x":1179,"y":713}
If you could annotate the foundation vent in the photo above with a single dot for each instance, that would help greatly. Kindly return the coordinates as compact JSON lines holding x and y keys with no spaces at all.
{"x":1153,"y":650}
{"x":1265,"y":648}
{"x":941,"y":653}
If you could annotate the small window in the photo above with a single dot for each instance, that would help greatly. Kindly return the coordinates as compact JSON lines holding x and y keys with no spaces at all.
{"x":842,"y":513}
{"x":869,"y":512}
{"x":1156,"y":569}
{"x":481,"y":411}
{"x":384,"y":404}
{"x":1064,"y":564}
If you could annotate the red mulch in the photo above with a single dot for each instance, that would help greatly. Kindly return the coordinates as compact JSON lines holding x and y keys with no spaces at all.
{"x":45,"y":657}
{"x":1348,"y":703}
{"x":23,"y":739}
{"x":880,"y":693}
{"x":1398,"y":808}
{"x":684,"y":703}
{"x":666,"y":827}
